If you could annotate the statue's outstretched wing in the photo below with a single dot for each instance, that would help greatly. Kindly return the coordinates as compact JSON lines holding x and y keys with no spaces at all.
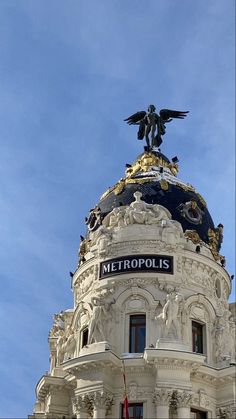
{"x":167,"y":114}
{"x":135,"y":118}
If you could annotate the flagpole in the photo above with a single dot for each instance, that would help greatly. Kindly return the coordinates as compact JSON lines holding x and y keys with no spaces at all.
{"x":126,"y":402}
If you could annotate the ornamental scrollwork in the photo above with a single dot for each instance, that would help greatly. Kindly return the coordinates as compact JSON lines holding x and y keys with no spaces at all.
{"x":162,"y":396}
{"x":226,"y":412}
{"x":182,"y":398}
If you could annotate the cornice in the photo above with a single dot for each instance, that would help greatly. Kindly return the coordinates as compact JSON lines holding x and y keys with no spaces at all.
{"x":97,"y":360}
{"x":172,"y":359}
{"x":214,"y":376}
{"x":48,"y":382}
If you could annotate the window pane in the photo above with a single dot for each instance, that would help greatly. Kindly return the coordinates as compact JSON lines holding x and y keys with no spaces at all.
{"x":84,"y":337}
{"x":141,"y":332}
{"x":197,"y":336}
{"x":198,"y":414}
{"x":137,"y":333}
{"x":135,"y":411}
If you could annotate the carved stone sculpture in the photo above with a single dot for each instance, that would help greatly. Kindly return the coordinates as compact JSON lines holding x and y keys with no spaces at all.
{"x":100,"y":314}
{"x":83,"y":248}
{"x":182,"y":398}
{"x":138,"y":212}
{"x":222,"y":337}
{"x":58,"y":325}
{"x":60,"y":347}
{"x":115,"y":218}
{"x":226,"y":412}
{"x":133,"y":391}
{"x":169,"y":318}
{"x":162,"y":396}
{"x":82,"y":403}
{"x":101,"y":399}
{"x":69,"y":345}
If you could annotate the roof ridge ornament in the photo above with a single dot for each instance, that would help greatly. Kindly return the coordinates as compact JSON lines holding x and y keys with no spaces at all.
{"x":152,"y":123}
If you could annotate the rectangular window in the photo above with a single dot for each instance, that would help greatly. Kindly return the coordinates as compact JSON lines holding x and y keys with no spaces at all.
{"x":197,"y":337}
{"x":198,"y":414}
{"x":137,"y":333}
{"x":84,"y":337}
{"x":135,"y":411}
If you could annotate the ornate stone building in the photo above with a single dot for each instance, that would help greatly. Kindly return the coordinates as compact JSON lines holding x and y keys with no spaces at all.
{"x":150,"y":296}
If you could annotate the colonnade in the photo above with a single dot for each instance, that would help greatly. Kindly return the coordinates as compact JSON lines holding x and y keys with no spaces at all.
{"x":98,"y":403}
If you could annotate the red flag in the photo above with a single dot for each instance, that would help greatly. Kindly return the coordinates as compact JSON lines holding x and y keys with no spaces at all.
{"x":126,"y":407}
{"x":126,"y":402}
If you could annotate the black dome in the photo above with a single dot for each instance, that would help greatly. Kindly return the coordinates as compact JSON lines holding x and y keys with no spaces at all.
{"x":172,"y":199}
{"x":153,"y":175}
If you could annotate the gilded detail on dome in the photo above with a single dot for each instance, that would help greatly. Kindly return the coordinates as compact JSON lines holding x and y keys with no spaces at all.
{"x":154,"y":176}
{"x":193,"y":236}
{"x":149,"y":160}
{"x":215,"y":241}
{"x":164,"y":185}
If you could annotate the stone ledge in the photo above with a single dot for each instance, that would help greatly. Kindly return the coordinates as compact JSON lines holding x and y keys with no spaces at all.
{"x":183,"y":358}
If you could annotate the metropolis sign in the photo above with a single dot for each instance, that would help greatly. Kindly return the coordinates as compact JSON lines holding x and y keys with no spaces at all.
{"x":141,"y":263}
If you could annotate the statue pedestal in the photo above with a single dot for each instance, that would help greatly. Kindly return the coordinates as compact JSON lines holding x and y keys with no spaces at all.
{"x":171,"y":344}
{"x":94,"y":348}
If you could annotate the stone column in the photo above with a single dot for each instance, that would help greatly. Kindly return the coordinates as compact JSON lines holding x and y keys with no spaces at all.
{"x":81,"y":406}
{"x":162,"y":399}
{"x":101,"y":401}
{"x":183,"y":400}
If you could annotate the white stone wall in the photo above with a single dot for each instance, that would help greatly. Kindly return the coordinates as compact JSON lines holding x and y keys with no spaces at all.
{"x":168,"y":378}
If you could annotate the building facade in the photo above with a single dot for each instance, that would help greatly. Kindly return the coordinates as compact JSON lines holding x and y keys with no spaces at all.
{"x":151,"y":318}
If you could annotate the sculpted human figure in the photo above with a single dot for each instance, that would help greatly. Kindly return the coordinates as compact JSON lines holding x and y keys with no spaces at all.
{"x":102,"y":238}
{"x":99,"y":314}
{"x":222,"y":337}
{"x":69,"y":345}
{"x":137,"y":212}
{"x":170,"y":315}
{"x":82,"y":250}
{"x":60,"y":347}
{"x":151,"y":122}
{"x":115,"y":218}
{"x":58,"y":324}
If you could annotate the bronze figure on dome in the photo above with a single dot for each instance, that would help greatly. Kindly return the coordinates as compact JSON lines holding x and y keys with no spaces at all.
{"x":151,"y":122}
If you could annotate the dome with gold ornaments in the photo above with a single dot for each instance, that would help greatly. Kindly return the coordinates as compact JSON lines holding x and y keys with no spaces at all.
{"x":155,"y":176}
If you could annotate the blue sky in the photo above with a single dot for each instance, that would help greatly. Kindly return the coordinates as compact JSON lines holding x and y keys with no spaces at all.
{"x":70,"y":72}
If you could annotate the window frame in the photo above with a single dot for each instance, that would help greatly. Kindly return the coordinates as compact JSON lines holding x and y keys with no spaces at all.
{"x":201,"y":414}
{"x":137,"y":404}
{"x":136,"y":327}
{"x":199,"y":326}
{"x":83,"y":333}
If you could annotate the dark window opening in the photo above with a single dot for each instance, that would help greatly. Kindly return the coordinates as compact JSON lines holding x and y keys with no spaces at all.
{"x":197,"y":337}
{"x":135,"y":411}
{"x":198,"y":414}
{"x":137,"y":333}
{"x":84,"y":337}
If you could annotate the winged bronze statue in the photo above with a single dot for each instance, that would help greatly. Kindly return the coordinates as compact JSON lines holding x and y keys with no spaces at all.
{"x":151,"y":123}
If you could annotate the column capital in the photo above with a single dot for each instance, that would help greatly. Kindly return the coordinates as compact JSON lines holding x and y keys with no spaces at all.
{"x":81,"y":403}
{"x":162,"y":396}
{"x":101,"y":399}
{"x":226,"y":412}
{"x":182,"y":398}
